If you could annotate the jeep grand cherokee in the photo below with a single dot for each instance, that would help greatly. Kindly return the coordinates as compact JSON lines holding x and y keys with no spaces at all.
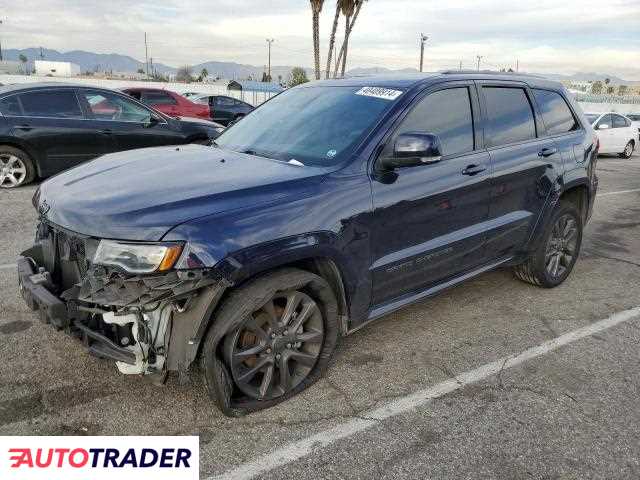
{"x":327,"y":207}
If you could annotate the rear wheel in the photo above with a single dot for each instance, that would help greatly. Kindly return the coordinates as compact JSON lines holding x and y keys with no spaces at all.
{"x":554,"y":259}
{"x":279,"y":333}
{"x":628,"y":150}
{"x":16,"y":167}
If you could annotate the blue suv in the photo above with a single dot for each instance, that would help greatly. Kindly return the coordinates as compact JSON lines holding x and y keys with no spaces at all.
{"x":329,"y":206}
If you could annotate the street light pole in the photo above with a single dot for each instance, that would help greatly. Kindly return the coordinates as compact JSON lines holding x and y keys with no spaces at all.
{"x":269,"y":41}
{"x":479,"y":57}
{"x":423,"y":39}
{"x":0,"y":45}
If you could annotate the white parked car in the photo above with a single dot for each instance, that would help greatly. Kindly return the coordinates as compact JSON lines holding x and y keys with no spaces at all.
{"x":635,"y":121}
{"x":615,"y":132}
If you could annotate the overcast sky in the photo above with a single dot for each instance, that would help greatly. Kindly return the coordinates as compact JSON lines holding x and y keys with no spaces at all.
{"x":561,"y":36}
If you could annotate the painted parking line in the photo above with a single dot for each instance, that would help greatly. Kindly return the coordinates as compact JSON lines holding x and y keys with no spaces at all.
{"x":301,"y":448}
{"x":619,"y":192}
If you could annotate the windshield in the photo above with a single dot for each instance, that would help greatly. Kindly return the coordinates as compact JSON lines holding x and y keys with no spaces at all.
{"x":317,"y":126}
{"x":592,"y":117}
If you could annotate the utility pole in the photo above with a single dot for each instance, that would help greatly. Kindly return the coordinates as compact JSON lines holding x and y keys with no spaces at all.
{"x":146,"y":55}
{"x":517,"y":65}
{"x":479,"y":57}
{"x":0,"y":45}
{"x":460,"y":65}
{"x":423,"y":39}
{"x":269,"y":41}
{"x":41,"y":54}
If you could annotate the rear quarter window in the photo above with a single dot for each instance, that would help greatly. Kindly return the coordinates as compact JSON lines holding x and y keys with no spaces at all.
{"x":556,"y":114}
{"x":509,"y":116}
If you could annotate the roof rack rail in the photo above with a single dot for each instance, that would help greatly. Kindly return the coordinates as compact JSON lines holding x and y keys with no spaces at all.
{"x":488,"y":72}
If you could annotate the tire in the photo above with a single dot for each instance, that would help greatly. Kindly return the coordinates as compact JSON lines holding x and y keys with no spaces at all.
{"x":628,"y":150}
{"x":249,"y":348}
{"x":542,"y":268}
{"x":16,"y":167}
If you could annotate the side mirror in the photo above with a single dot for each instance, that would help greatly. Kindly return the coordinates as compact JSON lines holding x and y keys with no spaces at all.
{"x":413,"y":149}
{"x":153,"y":121}
{"x":603,"y":126}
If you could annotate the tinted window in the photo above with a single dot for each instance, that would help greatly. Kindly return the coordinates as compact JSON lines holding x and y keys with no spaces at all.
{"x":634,"y":117}
{"x":556,"y":113}
{"x":10,"y":106}
{"x":51,"y":103}
{"x":619,"y":122}
{"x":109,"y":106}
{"x":313,"y":125}
{"x":446,"y":113}
{"x":158,"y":98}
{"x":510,"y":118}
{"x":605,"y":120}
{"x":224,"y":102}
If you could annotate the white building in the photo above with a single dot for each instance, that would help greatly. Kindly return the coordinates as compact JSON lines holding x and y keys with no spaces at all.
{"x":56,"y":69}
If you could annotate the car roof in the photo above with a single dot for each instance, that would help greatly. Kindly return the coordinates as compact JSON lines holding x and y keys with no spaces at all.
{"x":408,"y":80}
{"x":26,"y":87}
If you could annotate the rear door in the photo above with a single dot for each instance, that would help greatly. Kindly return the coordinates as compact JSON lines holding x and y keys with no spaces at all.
{"x":606,"y":135}
{"x":524,"y":165}
{"x":223,"y":109}
{"x":128,"y":123}
{"x":52,"y":123}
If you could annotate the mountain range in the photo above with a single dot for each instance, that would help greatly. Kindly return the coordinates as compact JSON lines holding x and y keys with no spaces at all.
{"x":90,"y":61}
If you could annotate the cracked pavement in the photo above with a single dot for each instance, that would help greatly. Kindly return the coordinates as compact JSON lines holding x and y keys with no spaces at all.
{"x":570,"y":414}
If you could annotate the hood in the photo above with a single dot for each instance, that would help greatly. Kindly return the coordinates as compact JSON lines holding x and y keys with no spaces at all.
{"x":142,"y":194}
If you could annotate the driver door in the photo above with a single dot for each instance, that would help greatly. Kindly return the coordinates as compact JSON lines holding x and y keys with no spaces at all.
{"x":131,"y":124}
{"x":430,"y":221}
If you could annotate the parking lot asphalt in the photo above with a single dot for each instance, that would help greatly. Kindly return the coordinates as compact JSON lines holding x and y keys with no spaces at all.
{"x":570,"y":412}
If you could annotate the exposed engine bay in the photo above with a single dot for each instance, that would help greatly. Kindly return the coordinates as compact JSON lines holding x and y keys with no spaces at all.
{"x":125,"y":317}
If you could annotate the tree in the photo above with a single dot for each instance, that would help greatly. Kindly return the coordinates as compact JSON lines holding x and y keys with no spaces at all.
{"x":316,"y":8}
{"x":622,"y":89}
{"x":596,"y":87}
{"x":203,"y":74}
{"x":265,"y":78}
{"x":332,"y":37}
{"x":611,"y":90}
{"x":141,"y":71}
{"x":350,"y":23}
{"x":184,"y":74}
{"x":23,"y":60}
{"x":297,"y":76}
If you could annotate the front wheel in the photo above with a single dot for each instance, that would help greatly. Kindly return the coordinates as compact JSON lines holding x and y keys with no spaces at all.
{"x":628,"y":150}
{"x":16,"y":167}
{"x":279,"y":332}
{"x":554,"y":259}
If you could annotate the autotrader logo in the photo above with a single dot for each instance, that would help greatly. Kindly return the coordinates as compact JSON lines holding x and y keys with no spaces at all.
{"x":70,"y":458}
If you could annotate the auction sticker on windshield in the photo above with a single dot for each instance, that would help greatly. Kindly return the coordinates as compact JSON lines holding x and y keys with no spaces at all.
{"x":99,"y":458}
{"x":379,"y":92}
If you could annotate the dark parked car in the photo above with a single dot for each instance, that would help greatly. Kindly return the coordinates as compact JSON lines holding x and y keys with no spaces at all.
{"x":170,"y":103}
{"x":47,"y":128}
{"x":328,"y":207}
{"x":223,"y":109}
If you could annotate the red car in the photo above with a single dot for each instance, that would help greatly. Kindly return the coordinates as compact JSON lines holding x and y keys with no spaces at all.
{"x":169,"y":103}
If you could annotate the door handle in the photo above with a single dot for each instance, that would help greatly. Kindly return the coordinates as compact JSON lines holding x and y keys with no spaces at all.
{"x":25,"y":127}
{"x":473,"y":169}
{"x":547,"y":152}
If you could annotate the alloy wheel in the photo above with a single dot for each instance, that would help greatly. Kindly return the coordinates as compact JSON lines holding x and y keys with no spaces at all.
{"x":276,"y":347}
{"x":628,"y":150}
{"x":13,"y":171}
{"x":561,"y":247}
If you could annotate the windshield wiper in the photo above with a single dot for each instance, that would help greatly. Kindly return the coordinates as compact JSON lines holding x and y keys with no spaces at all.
{"x":249,"y":151}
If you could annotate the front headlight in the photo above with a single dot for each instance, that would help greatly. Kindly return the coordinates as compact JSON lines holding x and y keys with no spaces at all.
{"x":137,"y":257}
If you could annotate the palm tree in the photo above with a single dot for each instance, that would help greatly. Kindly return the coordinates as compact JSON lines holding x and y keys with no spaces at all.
{"x":316,"y":8}
{"x":351,"y":11}
{"x":23,"y":60}
{"x":332,"y":38}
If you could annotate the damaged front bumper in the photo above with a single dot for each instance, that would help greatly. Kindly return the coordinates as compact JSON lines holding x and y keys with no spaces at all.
{"x":147,"y":324}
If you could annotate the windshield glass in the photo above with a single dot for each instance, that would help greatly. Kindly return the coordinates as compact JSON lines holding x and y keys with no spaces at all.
{"x":592,"y":117}
{"x":317,"y":126}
